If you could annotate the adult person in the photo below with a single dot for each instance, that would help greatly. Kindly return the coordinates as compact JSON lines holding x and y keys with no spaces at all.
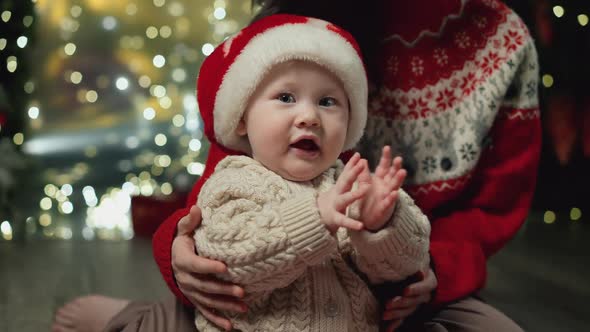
{"x":455,"y":94}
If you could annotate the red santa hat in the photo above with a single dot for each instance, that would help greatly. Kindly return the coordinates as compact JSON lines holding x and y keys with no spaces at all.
{"x":231,"y":74}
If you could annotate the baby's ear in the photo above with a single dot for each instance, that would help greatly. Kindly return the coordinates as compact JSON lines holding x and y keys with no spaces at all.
{"x":241,"y":129}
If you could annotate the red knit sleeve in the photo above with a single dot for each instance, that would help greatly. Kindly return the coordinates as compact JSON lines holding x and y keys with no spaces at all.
{"x":497,"y":202}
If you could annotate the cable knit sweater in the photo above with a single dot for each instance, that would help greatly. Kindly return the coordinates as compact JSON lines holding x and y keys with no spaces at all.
{"x":297,"y":276}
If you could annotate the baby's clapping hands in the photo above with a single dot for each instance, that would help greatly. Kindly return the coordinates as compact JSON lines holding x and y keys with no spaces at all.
{"x":382,"y":189}
{"x":374,"y":198}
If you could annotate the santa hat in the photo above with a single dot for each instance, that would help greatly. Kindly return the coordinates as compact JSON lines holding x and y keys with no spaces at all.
{"x":231,"y":74}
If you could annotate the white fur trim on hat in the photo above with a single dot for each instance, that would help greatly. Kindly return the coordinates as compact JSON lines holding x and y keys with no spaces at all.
{"x":299,"y":41}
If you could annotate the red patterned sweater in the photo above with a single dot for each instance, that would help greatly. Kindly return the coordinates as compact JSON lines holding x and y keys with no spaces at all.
{"x":459,"y":102}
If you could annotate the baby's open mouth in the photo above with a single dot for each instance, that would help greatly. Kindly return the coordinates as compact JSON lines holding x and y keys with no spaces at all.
{"x":306,"y":145}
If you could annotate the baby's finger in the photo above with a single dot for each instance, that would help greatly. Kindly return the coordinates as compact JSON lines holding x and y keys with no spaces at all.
{"x":344,"y":200}
{"x":348,"y":177}
{"x":397,"y":162}
{"x":389,"y":200}
{"x":396,"y":182}
{"x":343,"y":221}
{"x":384,"y":162}
{"x":352,"y":161}
{"x":365,"y":176}
{"x":214,"y":318}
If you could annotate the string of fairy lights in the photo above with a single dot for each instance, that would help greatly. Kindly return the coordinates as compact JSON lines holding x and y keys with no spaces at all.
{"x":147,"y":54}
{"x":559,"y":12}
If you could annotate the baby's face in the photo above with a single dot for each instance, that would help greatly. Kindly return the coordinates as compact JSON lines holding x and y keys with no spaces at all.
{"x":296,"y":120}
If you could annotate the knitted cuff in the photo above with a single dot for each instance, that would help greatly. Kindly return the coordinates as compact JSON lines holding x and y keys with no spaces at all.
{"x":398,"y":250}
{"x":309,"y":237}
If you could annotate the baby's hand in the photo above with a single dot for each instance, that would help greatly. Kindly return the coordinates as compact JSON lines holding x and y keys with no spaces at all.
{"x":379,"y":202}
{"x":332,"y":204}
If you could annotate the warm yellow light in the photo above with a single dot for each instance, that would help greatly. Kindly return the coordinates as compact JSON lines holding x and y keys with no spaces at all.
{"x":158,"y":91}
{"x":50,"y":190}
{"x":166,"y":188}
{"x":165,"y":102}
{"x":131,"y":9}
{"x":45,"y":203}
{"x":145,"y":81}
{"x":163,"y":161}
{"x":6,"y":15}
{"x":547,"y":80}
{"x":178,"y":120}
{"x":575,"y":214}
{"x":161,"y":140}
{"x":76,"y":77}
{"x":583,"y":19}
{"x":549,"y":217}
{"x":91,"y":96}
{"x":27,"y":21}
{"x":76,"y":11}
{"x":11,"y":64}
{"x":29,"y":87}
{"x":6,"y":230}
{"x":18,"y":139}
{"x":151,"y":32}
{"x":70,"y":49}
{"x":165,"y":31}
{"x":45,"y":220}
{"x":558,"y":11}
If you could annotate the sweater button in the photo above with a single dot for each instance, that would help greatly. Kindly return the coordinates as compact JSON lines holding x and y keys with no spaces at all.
{"x":331,"y":308}
{"x":446,"y":164}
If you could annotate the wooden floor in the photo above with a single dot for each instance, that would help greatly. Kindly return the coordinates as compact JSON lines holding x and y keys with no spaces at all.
{"x":542,"y":279}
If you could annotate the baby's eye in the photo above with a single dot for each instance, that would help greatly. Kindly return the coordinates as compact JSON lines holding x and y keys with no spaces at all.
{"x":327,"y":101}
{"x":286,"y":98}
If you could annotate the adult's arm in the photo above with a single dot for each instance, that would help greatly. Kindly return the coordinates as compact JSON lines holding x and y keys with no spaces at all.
{"x":497,"y":200}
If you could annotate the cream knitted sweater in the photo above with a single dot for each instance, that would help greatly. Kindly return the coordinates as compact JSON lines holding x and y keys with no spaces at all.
{"x":297,"y":276}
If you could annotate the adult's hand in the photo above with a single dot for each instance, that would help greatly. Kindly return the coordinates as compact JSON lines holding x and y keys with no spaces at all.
{"x":194,"y":275}
{"x":400,"y":307}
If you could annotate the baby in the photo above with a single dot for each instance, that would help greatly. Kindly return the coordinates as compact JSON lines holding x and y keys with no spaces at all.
{"x":302,"y":233}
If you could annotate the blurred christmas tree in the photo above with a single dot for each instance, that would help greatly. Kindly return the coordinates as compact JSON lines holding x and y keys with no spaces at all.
{"x":108,"y":111}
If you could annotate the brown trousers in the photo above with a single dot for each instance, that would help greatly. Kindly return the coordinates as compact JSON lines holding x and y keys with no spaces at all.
{"x":467,"y":315}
